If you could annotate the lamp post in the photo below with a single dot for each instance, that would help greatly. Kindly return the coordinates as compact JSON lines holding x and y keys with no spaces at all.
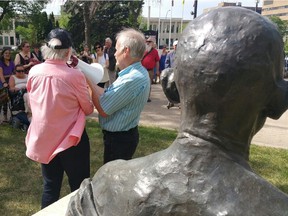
{"x":170,"y":29}
{"x":159,"y":29}
{"x":256,"y":7}
{"x":148,"y":20}
{"x":195,"y":9}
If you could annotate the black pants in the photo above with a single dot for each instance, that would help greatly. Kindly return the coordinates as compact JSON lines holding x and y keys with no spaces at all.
{"x":75,"y":161}
{"x":120,"y":145}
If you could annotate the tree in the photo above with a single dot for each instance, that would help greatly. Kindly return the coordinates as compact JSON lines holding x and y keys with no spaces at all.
{"x":86,"y":11}
{"x":11,"y":9}
{"x":64,"y":20}
{"x":29,"y":20}
{"x":105,"y":19}
{"x":281,"y":24}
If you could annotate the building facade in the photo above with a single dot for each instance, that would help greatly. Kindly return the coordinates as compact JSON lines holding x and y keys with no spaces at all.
{"x":8,"y":37}
{"x":238,"y":4}
{"x":277,"y":8}
{"x":163,"y":24}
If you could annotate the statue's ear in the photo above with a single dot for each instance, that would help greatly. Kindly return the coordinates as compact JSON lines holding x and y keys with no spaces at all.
{"x":279,"y":102}
{"x":169,"y":86}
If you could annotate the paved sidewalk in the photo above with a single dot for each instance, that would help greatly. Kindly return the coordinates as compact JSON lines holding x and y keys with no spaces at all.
{"x":274,"y":133}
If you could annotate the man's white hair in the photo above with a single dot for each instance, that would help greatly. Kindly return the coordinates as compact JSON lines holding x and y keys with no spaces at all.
{"x":133,"y":39}
{"x":108,"y":40}
{"x":49,"y":51}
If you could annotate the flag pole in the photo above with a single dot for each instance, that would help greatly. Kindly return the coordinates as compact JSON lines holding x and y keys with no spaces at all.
{"x":172,"y":4}
{"x":182,"y":15}
{"x":148,"y":20}
{"x":159,"y":30}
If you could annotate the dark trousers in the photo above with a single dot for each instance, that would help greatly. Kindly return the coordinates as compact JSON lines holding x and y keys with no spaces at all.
{"x":120,"y":145}
{"x":22,"y":116}
{"x":75,"y":161}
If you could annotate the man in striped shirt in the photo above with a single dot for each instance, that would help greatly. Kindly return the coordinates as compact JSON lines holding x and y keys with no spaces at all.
{"x":120,"y":105}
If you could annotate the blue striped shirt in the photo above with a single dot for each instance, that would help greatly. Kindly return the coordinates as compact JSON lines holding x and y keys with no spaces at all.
{"x":124,"y":100}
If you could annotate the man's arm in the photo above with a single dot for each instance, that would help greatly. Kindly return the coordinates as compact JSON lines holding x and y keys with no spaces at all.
{"x":167,"y":61}
{"x":96,"y":93}
{"x":157,"y":68}
{"x":2,"y":79}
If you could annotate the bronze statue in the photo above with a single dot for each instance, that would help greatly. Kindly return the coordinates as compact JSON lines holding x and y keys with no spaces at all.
{"x":229,"y":75}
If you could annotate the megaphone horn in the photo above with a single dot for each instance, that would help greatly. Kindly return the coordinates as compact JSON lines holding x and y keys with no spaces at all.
{"x":93,"y":72}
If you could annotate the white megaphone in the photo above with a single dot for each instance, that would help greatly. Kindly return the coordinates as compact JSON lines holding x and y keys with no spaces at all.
{"x":93,"y":72}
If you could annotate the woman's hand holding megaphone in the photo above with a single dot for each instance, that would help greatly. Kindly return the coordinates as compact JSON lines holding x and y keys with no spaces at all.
{"x":72,"y":62}
{"x":93,"y":72}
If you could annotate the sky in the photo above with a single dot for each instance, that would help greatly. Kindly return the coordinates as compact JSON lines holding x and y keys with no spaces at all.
{"x":178,"y":11}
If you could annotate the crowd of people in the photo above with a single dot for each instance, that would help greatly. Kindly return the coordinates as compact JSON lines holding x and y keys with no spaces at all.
{"x":13,"y":77}
{"x":56,"y":137}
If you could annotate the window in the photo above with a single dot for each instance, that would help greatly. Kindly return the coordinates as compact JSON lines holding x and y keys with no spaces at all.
{"x":167,"y":41}
{"x":12,"y":42}
{"x":1,"y":40}
{"x":6,"y":40}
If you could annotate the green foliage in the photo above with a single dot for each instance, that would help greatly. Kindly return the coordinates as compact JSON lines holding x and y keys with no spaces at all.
{"x":27,"y":33}
{"x":281,"y":24}
{"x":286,"y":47}
{"x":64,"y":20}
{"x":27,"y":14}
{"x":106,"y":19}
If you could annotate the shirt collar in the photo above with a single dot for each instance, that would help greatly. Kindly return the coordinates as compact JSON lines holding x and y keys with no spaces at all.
{"x":127,"y":69}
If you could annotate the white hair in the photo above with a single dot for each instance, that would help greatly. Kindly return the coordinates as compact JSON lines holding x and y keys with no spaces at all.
{"x":108,"y":40}
{"x":133,"y":39}
{"x":49,"y":51}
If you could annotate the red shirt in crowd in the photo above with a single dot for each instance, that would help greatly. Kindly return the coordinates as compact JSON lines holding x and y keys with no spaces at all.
{"x":149,"y":61}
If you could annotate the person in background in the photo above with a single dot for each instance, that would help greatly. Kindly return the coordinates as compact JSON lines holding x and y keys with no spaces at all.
{"x":170,"y":63}
{"x":17,"y":88}
{"x":120,"y":105}
{"x":25,"y":57}
{"x":162,"y":60}
{"x":110,"y":50}
{"x":85,"y":55}
{"x":37,"y":52}
{"x":155,"y":69}
{"x":18,"y":80}
{"x":150,"y":60}
{"x":6,"y":70}
{"x":56,"y":137}
{"x":103,"y":59}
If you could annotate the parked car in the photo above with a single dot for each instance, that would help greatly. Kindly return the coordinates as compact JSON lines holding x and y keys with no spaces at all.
{"x":14,"y":48}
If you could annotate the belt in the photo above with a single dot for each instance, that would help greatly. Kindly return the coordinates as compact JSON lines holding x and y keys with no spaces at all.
{"x":130,"y":130}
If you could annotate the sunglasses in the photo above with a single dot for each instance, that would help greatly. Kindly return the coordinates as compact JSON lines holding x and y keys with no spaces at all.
{"x":97,"y":47}
{"x":20,"y":71}
{"x":148,"y":41}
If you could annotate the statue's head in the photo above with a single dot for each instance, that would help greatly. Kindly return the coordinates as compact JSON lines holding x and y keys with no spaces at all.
{"x":231,"y":61}
{"x":229,"y":75}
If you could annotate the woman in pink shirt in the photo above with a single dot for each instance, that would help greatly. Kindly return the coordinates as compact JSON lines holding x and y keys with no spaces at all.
{"x":59,"y":101}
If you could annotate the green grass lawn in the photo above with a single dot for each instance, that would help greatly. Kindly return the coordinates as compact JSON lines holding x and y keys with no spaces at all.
{"x":21,"y":181}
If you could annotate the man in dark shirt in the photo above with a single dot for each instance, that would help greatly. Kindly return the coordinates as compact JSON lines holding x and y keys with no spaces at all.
{"x":112,"y":62}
